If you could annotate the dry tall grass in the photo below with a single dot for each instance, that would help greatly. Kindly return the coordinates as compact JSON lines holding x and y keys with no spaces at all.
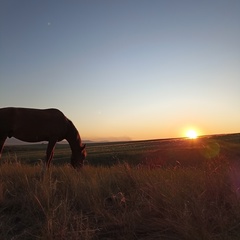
{"x":120,"y":202}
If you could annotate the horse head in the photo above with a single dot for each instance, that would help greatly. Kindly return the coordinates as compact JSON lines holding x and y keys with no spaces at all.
{"x":78,"y":157}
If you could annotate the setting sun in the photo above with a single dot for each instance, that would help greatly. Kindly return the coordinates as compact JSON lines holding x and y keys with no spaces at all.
{"x":192,"y":134}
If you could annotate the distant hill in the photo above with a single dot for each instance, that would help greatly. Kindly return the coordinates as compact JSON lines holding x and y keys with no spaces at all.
{"x":111,"y":139}
{"x":14,"y":141}
{"x":226,"y":137}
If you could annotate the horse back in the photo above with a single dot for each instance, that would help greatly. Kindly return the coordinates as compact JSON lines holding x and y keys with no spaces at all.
{"x":26,"y":123}
{"x":6,"y":120}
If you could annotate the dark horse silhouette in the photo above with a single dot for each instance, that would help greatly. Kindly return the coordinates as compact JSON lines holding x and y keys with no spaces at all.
{"x":35,"y":125}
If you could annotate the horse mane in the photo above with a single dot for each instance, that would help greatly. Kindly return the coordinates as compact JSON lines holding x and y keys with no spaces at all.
{"x":72,"y":133}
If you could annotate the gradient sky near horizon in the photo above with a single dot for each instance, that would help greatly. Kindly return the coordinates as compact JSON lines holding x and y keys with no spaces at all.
{"x":141,"y":69}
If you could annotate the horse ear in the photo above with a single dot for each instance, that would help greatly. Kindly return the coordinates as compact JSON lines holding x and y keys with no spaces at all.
{"x":84,"y":146}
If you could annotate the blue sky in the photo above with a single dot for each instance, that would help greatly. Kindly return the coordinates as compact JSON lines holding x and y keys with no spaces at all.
{"x":139,"y":69}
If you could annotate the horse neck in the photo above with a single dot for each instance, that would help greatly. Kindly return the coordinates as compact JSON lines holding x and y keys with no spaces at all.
{"x":73,"y":138}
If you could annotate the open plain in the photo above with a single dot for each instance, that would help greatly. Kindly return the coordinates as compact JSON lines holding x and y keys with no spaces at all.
{"x":156,"y":189}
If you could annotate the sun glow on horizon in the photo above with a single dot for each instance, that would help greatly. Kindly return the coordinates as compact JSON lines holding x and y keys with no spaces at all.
{"x":192,"y":134}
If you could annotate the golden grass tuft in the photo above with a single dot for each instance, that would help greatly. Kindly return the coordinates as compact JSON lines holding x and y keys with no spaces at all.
{"x":118,"y":202}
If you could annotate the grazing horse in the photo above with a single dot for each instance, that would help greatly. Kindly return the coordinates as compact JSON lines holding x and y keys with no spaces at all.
{"x":35,"y":125}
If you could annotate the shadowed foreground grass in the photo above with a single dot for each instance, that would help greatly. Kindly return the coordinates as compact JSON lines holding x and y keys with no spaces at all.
{"x":120,"y":202}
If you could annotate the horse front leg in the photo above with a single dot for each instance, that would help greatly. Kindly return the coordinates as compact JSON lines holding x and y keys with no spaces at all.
{"x":50,"y":152}
{"x":2,"y":141}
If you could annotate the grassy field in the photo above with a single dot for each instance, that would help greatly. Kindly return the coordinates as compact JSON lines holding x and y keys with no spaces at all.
{"x":162,"y":189}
